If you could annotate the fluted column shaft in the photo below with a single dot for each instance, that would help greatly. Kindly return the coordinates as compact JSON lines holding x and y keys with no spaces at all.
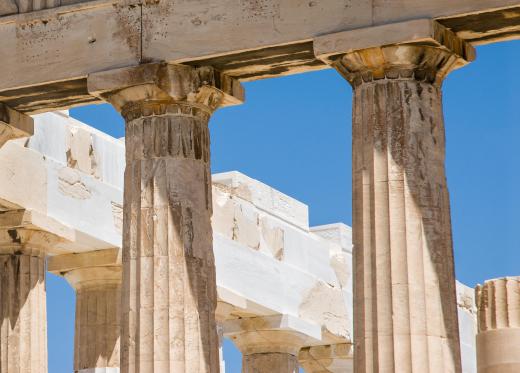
{"x":405,"y":313}
{"x":23,"y":332}
{"x":169,"y":282}
{"x":270,"y":363}
{"x":265,"y":347}
{"x":168,"y":260}
{"x":97,"y":327}
{"x":498,"y":338}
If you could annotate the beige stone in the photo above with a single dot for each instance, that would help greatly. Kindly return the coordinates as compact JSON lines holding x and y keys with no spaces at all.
{"x":498,"y":338}
{"x":327,"y":359}
{"x":405,"y":308}
{"x":267,"y":350}
{"x":14,"y":124}
{"x":46,"y":52}
{"x":96,"y":277}
{"x":23,"y":332}
{"x":272,"y":362}
{"x":23,"y":310}
{"x":169,"y":285}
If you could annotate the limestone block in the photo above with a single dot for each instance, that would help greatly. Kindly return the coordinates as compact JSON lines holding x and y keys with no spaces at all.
{"x":275,"y":333}
{"x":264,"y":197}
{"x":330,"y":311}
{"x":273,"y":362}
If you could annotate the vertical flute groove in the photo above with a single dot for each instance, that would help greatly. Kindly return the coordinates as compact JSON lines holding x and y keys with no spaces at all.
{"x":409,"y":320}
{"x":171,"y":245}
{"x":23,"y":337}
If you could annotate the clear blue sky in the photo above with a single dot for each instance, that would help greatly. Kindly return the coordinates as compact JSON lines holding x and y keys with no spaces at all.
{"x":294,"y":133}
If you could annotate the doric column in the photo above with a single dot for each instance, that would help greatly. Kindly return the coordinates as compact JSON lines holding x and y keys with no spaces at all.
{"x":267,"y":345}
{"x":498,"y":338}
{"x":270,"y":362}
{"x":23,"y":334}
{"x":23,"y":311}
{"x":96,"y":277}
{"x":327,"y":359}
{"x":405,"y":309}
{"x":169,"y":290}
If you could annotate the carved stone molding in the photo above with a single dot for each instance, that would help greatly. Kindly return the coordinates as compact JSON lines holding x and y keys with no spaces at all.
{"x":165,"y":89}
{"x":421,"y":50}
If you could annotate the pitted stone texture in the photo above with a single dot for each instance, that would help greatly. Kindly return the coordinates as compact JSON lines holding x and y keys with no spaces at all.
{"x":498,"y":339}
{"x":405,"y":307}
{"x":169,"y":274}
{"x":270,"y":363}
{"x":169,"y":284}
{"x":96,"y":277}
{"x":23,"y":332}
{"x":327,"y":359}
{"x":98,"y":305}
{"x":14,"y":125}
{"x":421,"y":50}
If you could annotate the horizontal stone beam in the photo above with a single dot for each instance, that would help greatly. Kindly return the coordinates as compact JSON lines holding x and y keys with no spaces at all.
{"x":14,"y":125}
{"x":47,"y":54}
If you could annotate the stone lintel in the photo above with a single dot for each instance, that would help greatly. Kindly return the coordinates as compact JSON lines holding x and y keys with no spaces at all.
{"x":165,"y":82}
{"x":93,"y":269}
{"x":13,"y":124}
{"x":60,"y":264}
{"x":425,"y":32}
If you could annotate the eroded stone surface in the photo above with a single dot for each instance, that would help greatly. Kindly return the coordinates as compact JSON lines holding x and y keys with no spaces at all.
{"x":293,"y":292}
{"x":498,"y":339}
{"x":169,"y":293}
{"x":270,"y":363}
{"x":405,"y":310}
{"x":327,"y":359}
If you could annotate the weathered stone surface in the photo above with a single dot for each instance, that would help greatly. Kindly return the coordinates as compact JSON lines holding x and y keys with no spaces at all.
{"x":169,"y":284}
{"x":405,"y":309}
{"x":96,"y":277}
{"x":23,"y":331}
{"x":467,"y":312}
{"x":47,"y":54}
{"x":327,"y":359}
{"x":294,"y":292}
{"x":498,"y":338}
{"x":273,"y":362}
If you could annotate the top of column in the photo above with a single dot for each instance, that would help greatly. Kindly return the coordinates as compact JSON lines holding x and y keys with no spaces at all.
{"x":422,"y":50}
{"x":204,"y":87}
{"x":498,"y":303}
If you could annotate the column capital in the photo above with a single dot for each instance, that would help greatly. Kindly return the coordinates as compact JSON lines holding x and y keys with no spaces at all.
{"x":13,"y":124}
{"x":148,"y":86}
{"x":498,"y":304}
{"x":31,"y":233}
{"x":327,"y":359}
{"x":90,"y":269}
{"x":421,"y":50}
{"x":269,"y":334}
